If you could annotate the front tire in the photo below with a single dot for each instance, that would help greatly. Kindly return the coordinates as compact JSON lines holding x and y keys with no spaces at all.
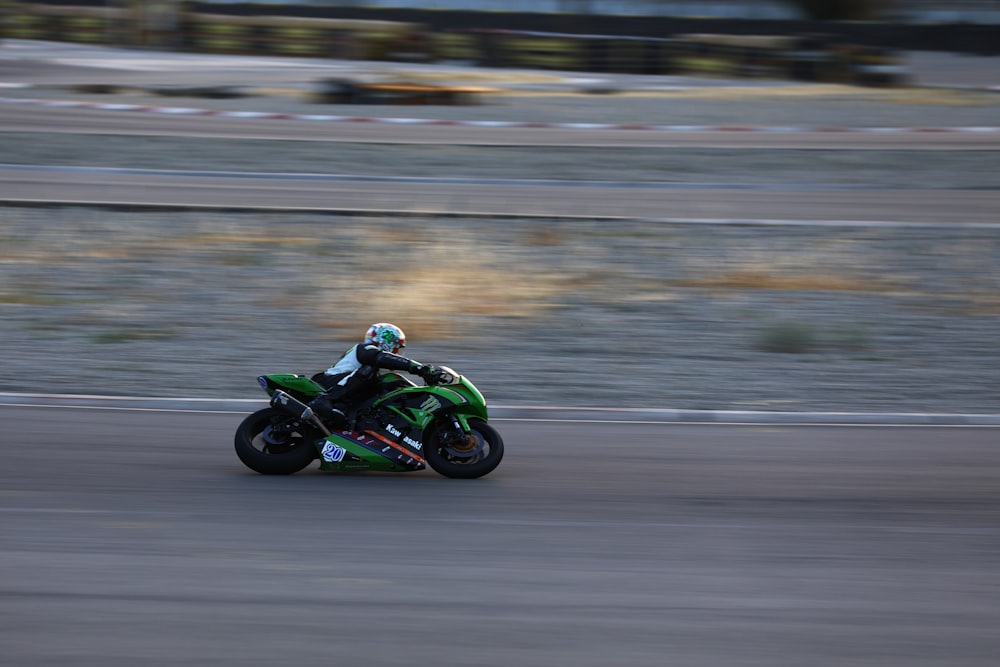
{"x":272,"y":442}
{"x":475,"y":455}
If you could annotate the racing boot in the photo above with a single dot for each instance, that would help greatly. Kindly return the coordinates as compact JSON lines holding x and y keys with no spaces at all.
{"x":330,"y":413}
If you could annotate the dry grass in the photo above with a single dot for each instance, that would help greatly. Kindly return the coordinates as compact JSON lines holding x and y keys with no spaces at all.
{"x":443,"y":280}
{"x":973,"y":303}
{"x":544,"y":236}
{"x":71,"y":251}
{"x":31,"y":300}
{"x":448,"y":294}
{"x":765,"y":280}
{"x":228,"y":239}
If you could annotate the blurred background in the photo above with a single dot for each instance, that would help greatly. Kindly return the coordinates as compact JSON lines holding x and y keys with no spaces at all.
{"x":429,"y":30}
{"x":885,"y":315}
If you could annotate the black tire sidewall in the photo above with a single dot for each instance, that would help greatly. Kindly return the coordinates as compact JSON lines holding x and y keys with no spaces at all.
{"x":297,"y":458}
{"x":443,"y":466}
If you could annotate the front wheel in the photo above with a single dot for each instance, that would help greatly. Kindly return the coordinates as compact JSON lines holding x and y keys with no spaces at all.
{"x":464,"y":455}
{"x":272,"y":442}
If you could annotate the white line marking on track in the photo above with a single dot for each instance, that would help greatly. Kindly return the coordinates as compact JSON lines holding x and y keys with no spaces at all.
{"x":525,"y":413}
{"x":119,"y":408}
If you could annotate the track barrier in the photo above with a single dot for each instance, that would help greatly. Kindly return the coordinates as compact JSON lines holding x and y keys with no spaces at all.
{"x":166,"y":24}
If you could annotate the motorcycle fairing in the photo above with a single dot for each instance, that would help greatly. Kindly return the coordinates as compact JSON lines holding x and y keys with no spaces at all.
{"x":353,"y":451}
{"x":299,"y":386}
{"x":396,"y":444}
{"x":419,"y":405}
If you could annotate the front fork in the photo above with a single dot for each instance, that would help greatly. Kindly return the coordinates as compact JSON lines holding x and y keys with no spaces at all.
{"x":455,"y":434}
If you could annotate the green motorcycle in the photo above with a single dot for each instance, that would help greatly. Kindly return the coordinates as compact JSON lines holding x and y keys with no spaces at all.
{"x":403,"y":427}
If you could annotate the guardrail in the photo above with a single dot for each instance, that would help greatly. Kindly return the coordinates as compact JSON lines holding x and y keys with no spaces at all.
{"x":811,"y":58}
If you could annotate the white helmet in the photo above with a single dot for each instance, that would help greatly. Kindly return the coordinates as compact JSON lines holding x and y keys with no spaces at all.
{"x":387,"y":336}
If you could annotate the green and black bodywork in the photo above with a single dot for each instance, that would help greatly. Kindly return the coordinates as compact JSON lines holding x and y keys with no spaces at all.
{"x":403,"y":427}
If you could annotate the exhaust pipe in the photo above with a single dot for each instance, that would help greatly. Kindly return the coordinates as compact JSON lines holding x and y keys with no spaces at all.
{"x":297,"y":408}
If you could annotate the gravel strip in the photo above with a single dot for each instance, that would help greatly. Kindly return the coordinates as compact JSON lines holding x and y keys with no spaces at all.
{"x":818,"y":169}
{"x":653,"y":315}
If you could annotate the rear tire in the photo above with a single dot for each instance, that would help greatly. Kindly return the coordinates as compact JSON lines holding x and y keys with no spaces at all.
{"x":272,"y":442}
{"x":479,"y":456}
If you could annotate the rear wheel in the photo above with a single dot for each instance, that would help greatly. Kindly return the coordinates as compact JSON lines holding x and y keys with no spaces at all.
{"x":272,"y":442}
{"x":464,"y":455}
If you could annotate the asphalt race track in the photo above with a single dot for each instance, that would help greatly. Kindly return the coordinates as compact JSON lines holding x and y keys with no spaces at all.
{"x":137,"y":537}
{"x":471,"y":198}
{"x":33,"y":118}
{"x":928,"y":204}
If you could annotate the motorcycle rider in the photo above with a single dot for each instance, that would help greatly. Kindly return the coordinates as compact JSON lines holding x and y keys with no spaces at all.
{"x":357,"y":371}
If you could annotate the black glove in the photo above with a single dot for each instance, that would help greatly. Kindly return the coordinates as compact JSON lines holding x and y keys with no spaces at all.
{"x":425,"y":371}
